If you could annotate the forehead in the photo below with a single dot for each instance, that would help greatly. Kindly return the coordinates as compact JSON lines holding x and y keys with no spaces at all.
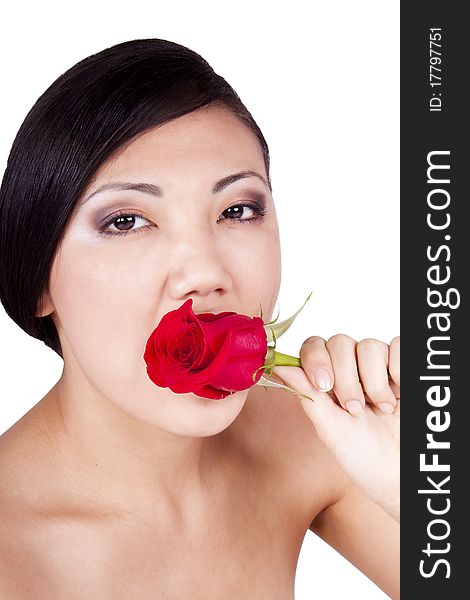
{"x":205,"y":142}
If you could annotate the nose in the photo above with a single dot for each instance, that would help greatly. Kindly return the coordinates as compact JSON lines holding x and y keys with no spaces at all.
{"x":198,"y":269}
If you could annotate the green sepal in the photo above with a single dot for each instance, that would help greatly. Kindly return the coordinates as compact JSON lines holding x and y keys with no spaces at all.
{"x":275,"y":330}
{"x":265,"y":382}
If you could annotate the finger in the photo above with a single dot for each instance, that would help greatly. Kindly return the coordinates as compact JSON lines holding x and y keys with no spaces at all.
{"x":394,"y":362}
{"x":347,"y":387}
{"x":372,"y":360}
{"x":316,"y":363}
{"x":324,"y":412}
{"x":395,"y":389}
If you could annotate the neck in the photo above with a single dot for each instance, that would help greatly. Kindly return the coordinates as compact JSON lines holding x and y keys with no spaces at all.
{"x":125,"y":466}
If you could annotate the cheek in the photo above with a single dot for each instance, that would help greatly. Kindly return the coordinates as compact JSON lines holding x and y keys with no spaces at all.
{"x":256,"y":265}
{"x":104,"y":307}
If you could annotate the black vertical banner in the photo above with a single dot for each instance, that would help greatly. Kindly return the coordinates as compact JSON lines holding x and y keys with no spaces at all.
{"x":435,"y":267}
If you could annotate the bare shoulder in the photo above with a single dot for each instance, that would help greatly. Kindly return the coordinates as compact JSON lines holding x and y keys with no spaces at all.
{"x":29,"y":538}
{"x":21,"y":449}
{"x":13,"y":549}
{"x":16,"y":560}
{"x":22,"y":481}
{"x":278,"y":427}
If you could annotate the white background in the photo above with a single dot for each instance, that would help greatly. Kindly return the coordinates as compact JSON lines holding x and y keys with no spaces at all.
{"x":322,"y":81}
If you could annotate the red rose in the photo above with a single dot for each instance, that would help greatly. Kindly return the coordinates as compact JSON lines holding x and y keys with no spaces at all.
{"x":209,"y":355}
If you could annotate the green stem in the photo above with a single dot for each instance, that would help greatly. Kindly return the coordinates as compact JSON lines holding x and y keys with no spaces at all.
{"x":281,"y":359}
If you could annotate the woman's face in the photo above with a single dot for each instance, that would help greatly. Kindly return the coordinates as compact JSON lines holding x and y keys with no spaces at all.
{"x":130,"y":256}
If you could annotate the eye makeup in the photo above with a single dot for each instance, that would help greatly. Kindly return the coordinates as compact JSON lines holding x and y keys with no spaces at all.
{"x":128,"y":218}
{"x":108,"y":224}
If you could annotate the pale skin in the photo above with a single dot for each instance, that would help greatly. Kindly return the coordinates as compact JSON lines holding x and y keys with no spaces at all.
{"x":114,"y":488}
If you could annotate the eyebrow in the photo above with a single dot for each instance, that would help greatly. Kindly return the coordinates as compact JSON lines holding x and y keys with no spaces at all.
{"x":155,"y":190}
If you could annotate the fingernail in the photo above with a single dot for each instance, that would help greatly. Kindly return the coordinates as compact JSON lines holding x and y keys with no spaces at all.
{"x":323,"y":379}
{"x":354,"y":407}
{"x":386,"y":407}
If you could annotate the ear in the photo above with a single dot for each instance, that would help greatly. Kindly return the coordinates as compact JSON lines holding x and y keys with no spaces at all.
{"x":45,"y":305}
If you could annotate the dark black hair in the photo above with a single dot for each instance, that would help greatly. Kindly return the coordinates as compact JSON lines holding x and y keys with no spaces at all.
{"x":85,"y":116}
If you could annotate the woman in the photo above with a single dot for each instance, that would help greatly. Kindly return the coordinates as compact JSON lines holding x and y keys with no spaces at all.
{"x":139,"y":180}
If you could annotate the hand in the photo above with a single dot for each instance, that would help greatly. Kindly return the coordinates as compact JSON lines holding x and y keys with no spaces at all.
{"x":359,"y":419}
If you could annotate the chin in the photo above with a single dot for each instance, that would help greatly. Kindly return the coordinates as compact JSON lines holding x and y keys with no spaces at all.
{"x":210,"y":417}
{"x":187,"y":415}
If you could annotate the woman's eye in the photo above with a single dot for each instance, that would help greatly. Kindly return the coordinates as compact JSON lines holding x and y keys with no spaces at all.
{"x":123,"y":223}
{"x":235,"y":213}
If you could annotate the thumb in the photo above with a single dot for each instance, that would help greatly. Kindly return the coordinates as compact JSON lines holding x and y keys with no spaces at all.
{"x":322,"y":409}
